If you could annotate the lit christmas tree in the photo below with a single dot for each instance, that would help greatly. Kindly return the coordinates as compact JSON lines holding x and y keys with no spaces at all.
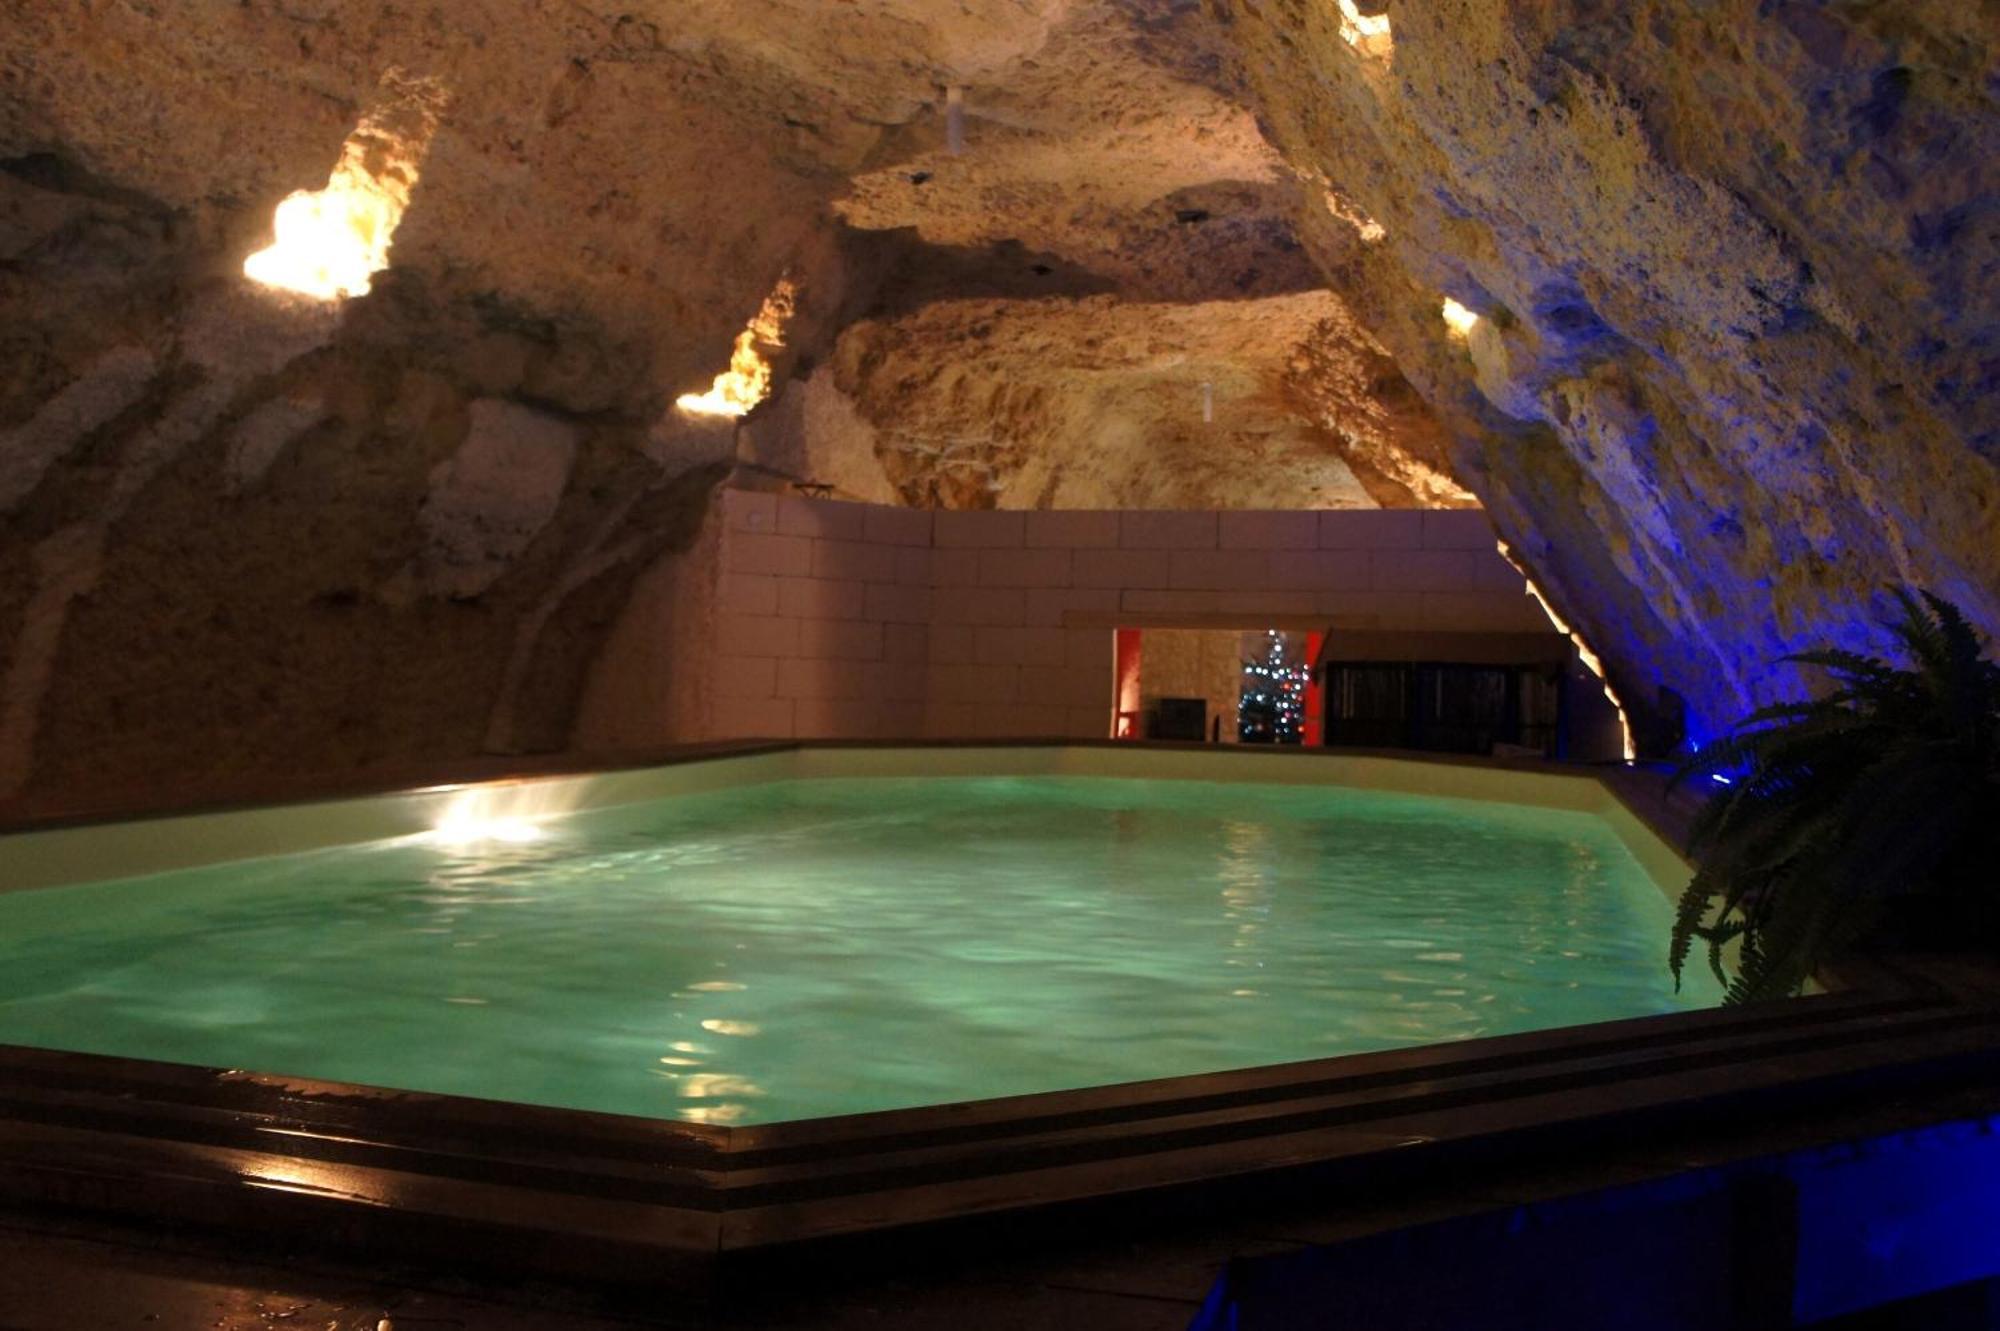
{"x":1274,"y":694}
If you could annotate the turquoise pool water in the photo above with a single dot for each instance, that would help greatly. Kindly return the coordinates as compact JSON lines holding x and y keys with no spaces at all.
{"x":808,"y":948}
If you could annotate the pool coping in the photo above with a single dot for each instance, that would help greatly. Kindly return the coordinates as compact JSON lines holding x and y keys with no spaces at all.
{"x":19,"y":816}
{"x":1642,"y":818}
{"x":580,"y":1193}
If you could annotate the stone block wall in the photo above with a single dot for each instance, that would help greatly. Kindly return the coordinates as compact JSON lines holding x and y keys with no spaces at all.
{"x":1197,"y":663}
{"x":840,"y":620}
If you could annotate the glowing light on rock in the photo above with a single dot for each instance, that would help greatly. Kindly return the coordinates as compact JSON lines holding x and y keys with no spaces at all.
{"x":1366,"y":33}
{"x":1590,"y":659}
{"x":1371,"y":231}
{"x":1460,"y":320}
{"x":747,"y":381}
{"x":330,"y":243}
{"x":509,"y":815}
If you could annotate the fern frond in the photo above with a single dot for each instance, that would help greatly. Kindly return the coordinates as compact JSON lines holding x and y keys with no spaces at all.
{"x":1846,"y":662}
{"x":1883,"y":788}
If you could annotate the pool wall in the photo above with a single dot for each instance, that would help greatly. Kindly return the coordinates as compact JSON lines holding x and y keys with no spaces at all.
{"x":99,"y":851}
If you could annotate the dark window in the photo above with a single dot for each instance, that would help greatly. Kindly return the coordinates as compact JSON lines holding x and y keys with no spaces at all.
{"x":1441,"y":707}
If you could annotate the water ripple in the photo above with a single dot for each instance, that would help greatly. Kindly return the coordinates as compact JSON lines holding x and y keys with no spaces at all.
{"x":828,"y":947}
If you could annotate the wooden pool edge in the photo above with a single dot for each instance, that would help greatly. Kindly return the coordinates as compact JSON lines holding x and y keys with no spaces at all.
{"x":575,"y":1194}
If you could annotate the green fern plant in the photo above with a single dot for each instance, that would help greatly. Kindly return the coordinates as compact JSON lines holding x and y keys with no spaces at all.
{"x":1870,"y":814}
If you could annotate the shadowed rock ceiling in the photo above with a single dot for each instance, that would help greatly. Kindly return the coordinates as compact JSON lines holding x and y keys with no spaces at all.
{"x":1733,"y":265}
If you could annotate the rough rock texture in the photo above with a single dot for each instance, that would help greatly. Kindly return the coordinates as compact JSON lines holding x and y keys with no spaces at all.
{"x":1106,"y":148}
{"x":245,"y":533}
{"x":1738,"y":269}
{"x":1098,"y":403}
{"x":242,"y":533}
{"x":1734,"y":262}
{"x":1151,"y":235}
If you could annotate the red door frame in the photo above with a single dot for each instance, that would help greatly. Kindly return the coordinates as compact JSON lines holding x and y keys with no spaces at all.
{"x":1313,"y":726}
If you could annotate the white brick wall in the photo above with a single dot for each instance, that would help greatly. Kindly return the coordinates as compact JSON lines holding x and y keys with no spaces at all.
{"x":856,"y":621}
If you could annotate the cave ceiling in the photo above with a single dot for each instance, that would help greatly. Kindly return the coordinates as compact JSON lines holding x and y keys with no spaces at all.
{"x":1725,"y":368}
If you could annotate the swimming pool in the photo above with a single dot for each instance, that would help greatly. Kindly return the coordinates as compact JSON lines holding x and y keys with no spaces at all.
{"x":841,"y":933}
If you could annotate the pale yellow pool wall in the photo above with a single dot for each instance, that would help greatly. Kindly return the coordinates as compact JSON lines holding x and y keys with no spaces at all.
{"x":104,"y":851}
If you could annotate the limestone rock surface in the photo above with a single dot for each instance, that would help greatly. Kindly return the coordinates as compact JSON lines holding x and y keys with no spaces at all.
{"x":1731,"y":267}
{"x":1102,"y":403}
{"x":1738,"y":272}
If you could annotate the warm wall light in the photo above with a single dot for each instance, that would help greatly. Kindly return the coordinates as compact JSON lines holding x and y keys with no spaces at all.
{"x":1460,"y":320}
{"x":330,"y":243}
{"x":747,"y":381}
{"x":1590,"y":659}
{"x":1366,"y":33}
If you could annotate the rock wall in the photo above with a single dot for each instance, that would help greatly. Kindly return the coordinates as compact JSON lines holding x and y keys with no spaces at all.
{"x":246,"y":539}
{"x":1100,"y":402}
{"x":249,"y":539}
{"x":1115,"y":232}
{"x":1727,"y":366}
{"x":1739,"y":294}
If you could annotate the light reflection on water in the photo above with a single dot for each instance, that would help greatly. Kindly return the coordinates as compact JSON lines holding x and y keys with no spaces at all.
{"x":829,"y":947}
